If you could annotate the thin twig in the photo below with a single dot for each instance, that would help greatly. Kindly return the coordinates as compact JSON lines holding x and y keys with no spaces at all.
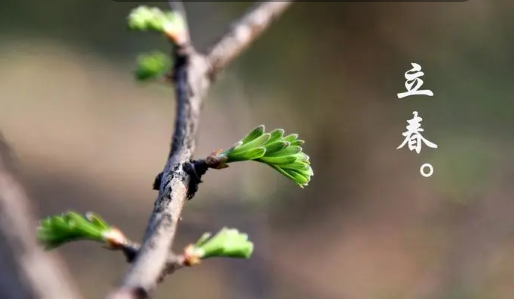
{"x":243,"y":32}
{"x":179,"y":179}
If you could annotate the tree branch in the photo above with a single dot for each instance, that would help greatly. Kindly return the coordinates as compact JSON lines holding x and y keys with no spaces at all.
{"x":179,"y":179}
{"x":26,"y":271}
{"x":173,"y":262}
{"x":243,"y":32}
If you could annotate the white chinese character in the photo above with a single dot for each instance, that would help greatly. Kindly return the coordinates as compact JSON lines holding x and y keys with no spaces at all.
{"x":412,"y":77}
{"x":413,"y":136}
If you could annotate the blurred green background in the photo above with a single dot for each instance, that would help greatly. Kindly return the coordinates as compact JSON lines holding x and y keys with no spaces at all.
{"x":88,"y":137}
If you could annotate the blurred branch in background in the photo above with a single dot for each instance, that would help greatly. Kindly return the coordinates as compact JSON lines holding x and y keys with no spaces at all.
{"x":26,"y":271}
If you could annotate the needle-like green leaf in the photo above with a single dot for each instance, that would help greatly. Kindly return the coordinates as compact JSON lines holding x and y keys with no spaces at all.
{"x":250,"y":154}
{"x":256,"y":132}
{"x":275,"y":147}
{"x":257,"y":142}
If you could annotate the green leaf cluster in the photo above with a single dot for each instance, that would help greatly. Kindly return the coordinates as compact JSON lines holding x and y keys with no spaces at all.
{"x":282,"y":153}
{"x":152,"y":65}
{"x":144,"y":18}
{"x":226,"y":243}
{"x":54,"y":231}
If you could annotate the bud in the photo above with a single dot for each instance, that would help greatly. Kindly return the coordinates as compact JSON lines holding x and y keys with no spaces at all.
{"x":171,"y":24}
{"x":54,"y":231}
{"x":226,"y":243}
{"x":152,"y":65}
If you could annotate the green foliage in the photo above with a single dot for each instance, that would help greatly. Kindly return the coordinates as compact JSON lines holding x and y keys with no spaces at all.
{"x":152,"y":65}
{"x":144,"y":18}
{"x":282,"y":153}
{"x":54,"y":231}
{"x":226,"y":243}
{"x":155,"y":64}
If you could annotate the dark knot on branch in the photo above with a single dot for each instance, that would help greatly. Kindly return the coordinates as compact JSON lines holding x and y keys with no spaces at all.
{"x":195,"y":169}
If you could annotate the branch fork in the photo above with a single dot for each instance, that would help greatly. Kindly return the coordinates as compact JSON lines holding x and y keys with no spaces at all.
{"x":191,"y":76}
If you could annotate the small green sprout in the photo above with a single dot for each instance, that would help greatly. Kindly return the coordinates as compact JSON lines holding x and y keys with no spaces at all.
{"x":226,"y":243}
{"x":144,"y":18}
{"x":282,"y":153}
{"x":152,"y":65}
{"x":54,"y":231}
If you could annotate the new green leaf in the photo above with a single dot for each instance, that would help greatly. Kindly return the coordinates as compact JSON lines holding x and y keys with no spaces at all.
{"x":144,"y":18}
{"x":54,"y":231}
{"x":226,"y":243}
{"x":152,"y":65}
{"x":283,"y":154}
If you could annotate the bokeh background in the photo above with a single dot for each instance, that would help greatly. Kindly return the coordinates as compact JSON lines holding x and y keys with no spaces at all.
{"x":88,"y":137}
